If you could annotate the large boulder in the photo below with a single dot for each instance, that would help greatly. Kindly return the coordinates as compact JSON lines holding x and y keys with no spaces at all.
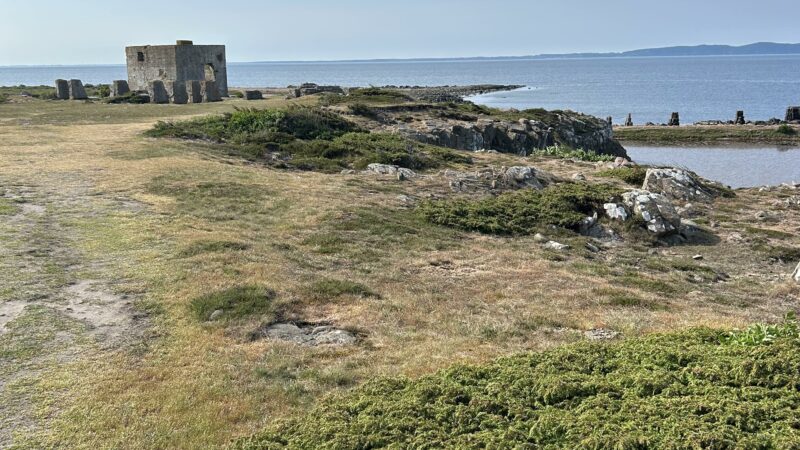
{"x":178,"y":93}
{"x":655,"y":210}
{"x":680,"y":184}
{"x":76,"y":90}
{"x":521,"y":177}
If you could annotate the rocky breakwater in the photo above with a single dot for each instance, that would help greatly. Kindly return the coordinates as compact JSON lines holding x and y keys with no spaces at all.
{"x":522,"y":136}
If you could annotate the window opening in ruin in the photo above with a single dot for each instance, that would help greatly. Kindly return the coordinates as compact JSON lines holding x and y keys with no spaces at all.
{"x":210,"y":74}
{"x":140,"y":56}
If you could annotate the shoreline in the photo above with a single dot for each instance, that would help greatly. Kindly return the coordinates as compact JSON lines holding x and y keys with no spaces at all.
{"x":708,"y":135}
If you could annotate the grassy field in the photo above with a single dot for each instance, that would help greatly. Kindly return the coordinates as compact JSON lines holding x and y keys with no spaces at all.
{"x":709,"y":135}
{"x":115,"y":246}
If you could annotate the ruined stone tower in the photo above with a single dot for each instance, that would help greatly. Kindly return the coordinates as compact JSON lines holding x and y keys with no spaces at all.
{"x":181,"y":62}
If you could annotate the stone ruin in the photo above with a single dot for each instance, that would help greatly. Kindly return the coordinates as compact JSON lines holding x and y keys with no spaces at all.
{"x":629,"y":121}
{"x":739,"y":118}
{"x":181,"y":73}
{"x":675,"y":120}
{"x":793,"y":114}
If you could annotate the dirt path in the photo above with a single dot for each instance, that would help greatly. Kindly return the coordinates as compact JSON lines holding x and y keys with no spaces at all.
{"x":56,"y":304}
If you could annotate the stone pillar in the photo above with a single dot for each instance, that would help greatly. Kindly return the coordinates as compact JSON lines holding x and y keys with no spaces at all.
{"x":76,"y":90}
{"x":193,"y":92}
{"x":610,"y":121}
{"x":253,"y":95}
{"x":629,"y":120}
{"x":158,"y":93}
{"x":119,"y":87}
{"x":675,"y":120}
{"x":62,"y":89}
{"x":739,"y":118}
{"x":210,"y":91}
{"x":178,"y":92}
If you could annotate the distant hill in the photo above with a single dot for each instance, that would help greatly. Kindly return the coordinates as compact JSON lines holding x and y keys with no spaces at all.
{"x":760,"y":48}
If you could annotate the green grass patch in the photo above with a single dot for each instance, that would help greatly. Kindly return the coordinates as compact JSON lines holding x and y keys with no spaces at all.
{"x":772,"y":234}
{"x":235,"y":303}
{"x":7,"y":207}
{"x":522,"y":212}
{"x":765,"y":334}
{"x":202,"y":247}
{"x":370,"y":95}
{"x":330,"y":289}
{"x":631,"y":175}
{"x":786,"y":130}
{"x":685,"y":390}
{"x":130,"y":97}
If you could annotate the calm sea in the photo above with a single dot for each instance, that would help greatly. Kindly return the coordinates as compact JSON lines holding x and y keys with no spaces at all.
{"x":700,"y":88}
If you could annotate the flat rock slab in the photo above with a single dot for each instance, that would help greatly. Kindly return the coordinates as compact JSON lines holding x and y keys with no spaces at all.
{"x":253,"y":95}
{"x":309,"y":335}
{"x":76,"y":90}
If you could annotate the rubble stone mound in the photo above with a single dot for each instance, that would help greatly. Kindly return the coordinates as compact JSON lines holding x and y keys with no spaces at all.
{"x":680,"y":184}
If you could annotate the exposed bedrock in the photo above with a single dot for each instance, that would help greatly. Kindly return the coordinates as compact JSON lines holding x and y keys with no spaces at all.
{"x":522,"y":137}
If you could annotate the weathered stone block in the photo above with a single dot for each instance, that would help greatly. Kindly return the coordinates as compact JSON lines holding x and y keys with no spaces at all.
{"x":194,"y":92}
{"x":119,"y":87}
{"x":62,"y":89}
{"x":629,"y":121}
{"x":158,"y":93}
{"x":76,"y":90}
{"x":210,"y":91}
{"x":178,"y":93}
{"x":739,"y":118}
{"x":253,"y":95}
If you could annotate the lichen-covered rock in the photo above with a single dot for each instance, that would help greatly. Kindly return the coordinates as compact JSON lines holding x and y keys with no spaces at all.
{"x":388,"y":169}
{"x":521,"y":177}
{"x":309,"y":335}
{"x":492,"y":178}
{"x":615,"y":211}
{"x":680,"y":184}
{"x":655,"y":210}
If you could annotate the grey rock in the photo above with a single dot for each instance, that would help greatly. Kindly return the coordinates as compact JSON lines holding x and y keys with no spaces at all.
{"x":655,"y":210}
{"x":62,"y":89}
{"x":310,"y":335}
{"x":553,"y":245}
{"x":157,"y":92}
{"x":601,"y":334}
{"x":76,"y":90}
{"x":796,"y":274}
{"x":615,"y":211}
{"x":119,"y":87}
{"x":216,"y":315}
{"x":698,"y":257}
{"x":579,"y":177}
{"x":253,"y":95}
{"x":388,"y":169}
{"x":519,"y":176}
{"x":680,"y":184}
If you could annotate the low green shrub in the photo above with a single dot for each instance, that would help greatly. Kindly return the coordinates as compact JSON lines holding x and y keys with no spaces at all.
{"x":522,"y":212}
{"x":308,"y":139}
{"x":371,"y":95}
{"x":786,"y":129}
{"x":678,"y":391}
{"x":130,"y":97}
{"x":764,"y":334}
{"x":235,"y":303}
{"x":632,"y":175}
{"x":3,"y":98}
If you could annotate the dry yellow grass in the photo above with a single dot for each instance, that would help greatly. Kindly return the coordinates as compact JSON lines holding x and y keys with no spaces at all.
{"x":126,"y":207}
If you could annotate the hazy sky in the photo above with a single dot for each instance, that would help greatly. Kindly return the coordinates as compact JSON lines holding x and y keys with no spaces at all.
{"x":94,"y":31}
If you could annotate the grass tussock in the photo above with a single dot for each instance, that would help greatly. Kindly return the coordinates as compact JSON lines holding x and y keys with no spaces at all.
{"x":631,"y":175}
{"x":579,"y":154}
{"x":686,"y":390}
{"x":235,"y":303}
{"x":307,"y":139}
{"x":331,"y":289}
{"x":522,"y":212}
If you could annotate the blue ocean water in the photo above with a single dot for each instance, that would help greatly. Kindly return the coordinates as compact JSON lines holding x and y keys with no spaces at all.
{"x":700,"y":88}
